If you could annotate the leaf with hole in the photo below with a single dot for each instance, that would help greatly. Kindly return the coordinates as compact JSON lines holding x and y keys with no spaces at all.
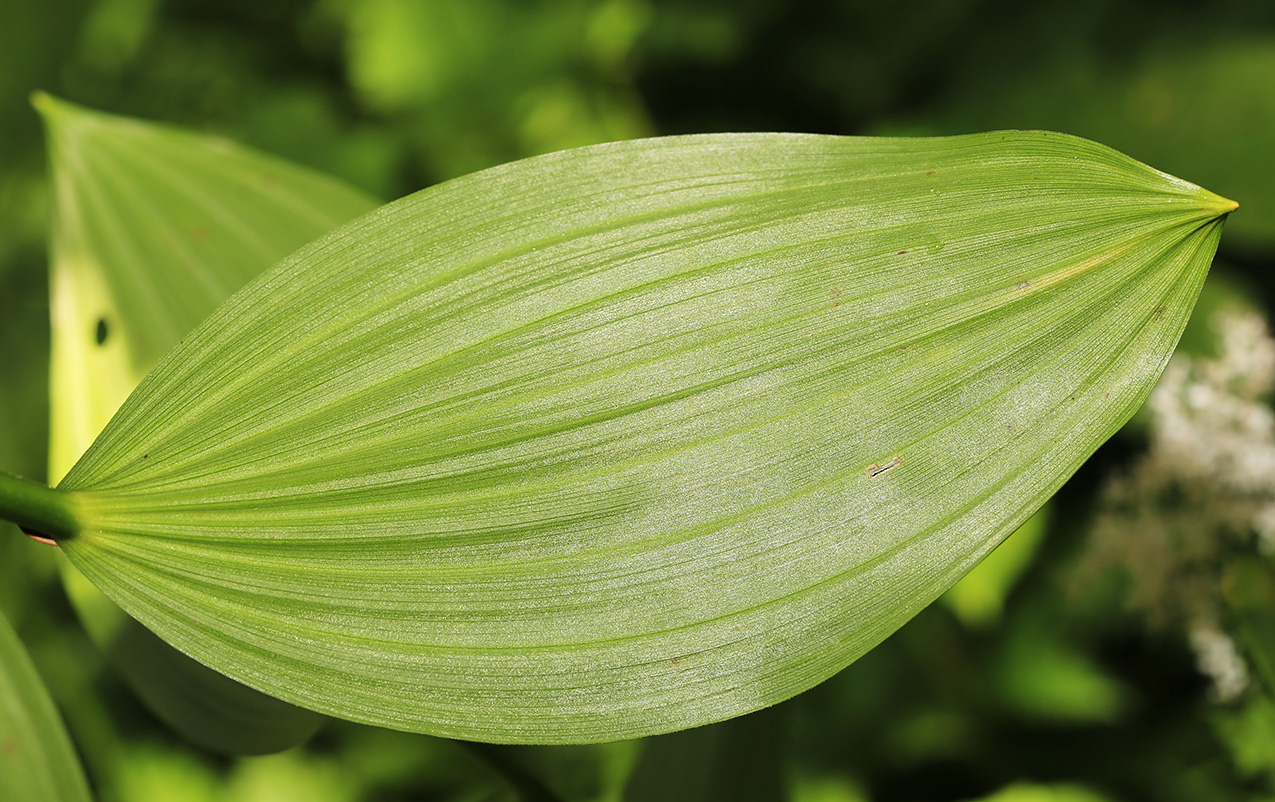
{"x":631,"y":438}
{"x":154,"y":227}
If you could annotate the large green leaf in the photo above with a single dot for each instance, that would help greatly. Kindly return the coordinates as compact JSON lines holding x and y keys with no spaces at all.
{"x":37,"y":761}
{"x":154,"y":228}
{"x":630,"y":438}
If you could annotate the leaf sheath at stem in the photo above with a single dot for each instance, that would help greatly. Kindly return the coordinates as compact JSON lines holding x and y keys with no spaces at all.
{"x":37,"y":508}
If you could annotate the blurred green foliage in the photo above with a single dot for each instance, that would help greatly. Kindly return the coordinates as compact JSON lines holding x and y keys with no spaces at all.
{"x":1033,"y":692}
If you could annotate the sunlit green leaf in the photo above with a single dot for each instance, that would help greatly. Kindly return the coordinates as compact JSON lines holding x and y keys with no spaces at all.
{"x":485,"y":81}
{"x":1040,"y":674}
{"x":154,"y":228}
{"x":37,"y":761}
{"x":636,"y":437}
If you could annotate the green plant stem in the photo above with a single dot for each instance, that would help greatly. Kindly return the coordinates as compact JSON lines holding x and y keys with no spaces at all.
{"x":37,"y":508}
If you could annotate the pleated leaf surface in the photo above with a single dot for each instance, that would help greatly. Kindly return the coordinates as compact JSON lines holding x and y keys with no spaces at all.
{"x":154,"y":227}
{"x":631,"y":438}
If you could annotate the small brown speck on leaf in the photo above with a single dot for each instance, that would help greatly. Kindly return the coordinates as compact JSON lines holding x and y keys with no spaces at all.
{"x":901,"y":253}
{"x":874,"y":470}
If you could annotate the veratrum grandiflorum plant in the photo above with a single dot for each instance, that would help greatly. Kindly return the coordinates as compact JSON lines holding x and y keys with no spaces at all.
{"x":609,"y":442}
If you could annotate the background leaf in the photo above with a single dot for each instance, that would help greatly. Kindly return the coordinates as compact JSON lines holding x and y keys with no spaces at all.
{"x":737,"y":760}
{"x":154,"y":228}
{"x":37,"y":761}
{"x":627,"y":439}
{"x":979,"y":598}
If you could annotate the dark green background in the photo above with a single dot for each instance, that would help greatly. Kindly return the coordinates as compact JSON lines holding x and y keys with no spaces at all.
{"x":1066,"y":698}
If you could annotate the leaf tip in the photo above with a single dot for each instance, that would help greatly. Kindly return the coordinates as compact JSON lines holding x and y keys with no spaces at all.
{"x":1217,"y":205}
{"x":47,"y":105}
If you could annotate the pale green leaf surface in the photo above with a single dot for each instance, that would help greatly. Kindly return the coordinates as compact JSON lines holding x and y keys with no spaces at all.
{"x":154,"y":228}
{"x":635,"y":437}
{"x":37,"y":761}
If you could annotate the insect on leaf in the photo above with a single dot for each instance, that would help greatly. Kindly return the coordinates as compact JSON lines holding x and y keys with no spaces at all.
{"x":631,"y":438}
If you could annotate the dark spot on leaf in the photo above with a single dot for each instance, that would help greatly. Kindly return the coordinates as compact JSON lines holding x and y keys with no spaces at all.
{"x":875,"y":470}
{"x":930,"y":173}
{"x":902,"y":252}
{"x":100,"y":333}
{"x":144,"y":456}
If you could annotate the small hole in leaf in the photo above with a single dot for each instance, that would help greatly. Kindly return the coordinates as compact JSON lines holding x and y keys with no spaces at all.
{"x":875,"y":470}
{"x":100,"y":334}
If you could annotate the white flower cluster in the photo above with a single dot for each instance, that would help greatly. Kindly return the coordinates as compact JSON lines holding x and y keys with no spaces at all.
{"x":1205,"y":486}
{"x":1211,"y":427}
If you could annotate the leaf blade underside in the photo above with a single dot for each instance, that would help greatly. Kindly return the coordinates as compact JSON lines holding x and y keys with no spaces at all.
{"x":631,"y":438}
{"x":154,"y":227}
